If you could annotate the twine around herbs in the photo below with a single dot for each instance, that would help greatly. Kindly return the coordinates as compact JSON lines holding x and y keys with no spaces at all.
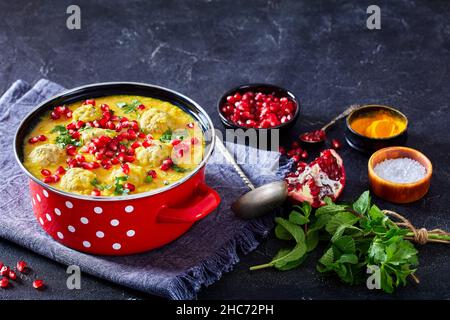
{"x":422,"y":235}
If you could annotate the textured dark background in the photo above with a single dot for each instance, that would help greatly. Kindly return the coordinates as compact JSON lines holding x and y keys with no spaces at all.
{"x":321,"y":50}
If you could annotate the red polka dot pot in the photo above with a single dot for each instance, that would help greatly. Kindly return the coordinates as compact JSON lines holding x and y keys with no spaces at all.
{"x":125,"y":224}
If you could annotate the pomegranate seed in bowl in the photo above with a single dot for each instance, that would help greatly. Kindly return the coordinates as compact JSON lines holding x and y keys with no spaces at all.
{"x":258,"y":106}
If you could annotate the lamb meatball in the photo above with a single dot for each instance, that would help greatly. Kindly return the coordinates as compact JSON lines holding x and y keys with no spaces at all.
{"x":136,"y":176}
{"x":153,"y":155}
{"x":78,"y":180}
{"x":155,"y":121}
{"x":87,"y":112}
{"x":91,"y":133}
{"x":46,"y":154}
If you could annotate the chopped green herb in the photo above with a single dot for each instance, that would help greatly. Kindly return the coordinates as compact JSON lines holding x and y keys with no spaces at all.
{"x":118,"y":186}
{"x":129,"y":107}
{"x":99,"y":186}
{"x":148,"y":179}
{"x":178,"y":169}
{"x":166,"y":136}
{"x":64,"y":138}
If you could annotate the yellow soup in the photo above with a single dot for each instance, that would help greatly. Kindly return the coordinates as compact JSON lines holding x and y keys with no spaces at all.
{"x":114,"y":145}
{"x":378,"y":124}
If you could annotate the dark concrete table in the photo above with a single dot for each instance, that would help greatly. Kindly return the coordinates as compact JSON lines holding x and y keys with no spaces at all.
{"x":321,"y":50}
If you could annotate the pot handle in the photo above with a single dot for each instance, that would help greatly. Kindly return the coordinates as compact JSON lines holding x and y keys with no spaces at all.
{"x":204,"y":201}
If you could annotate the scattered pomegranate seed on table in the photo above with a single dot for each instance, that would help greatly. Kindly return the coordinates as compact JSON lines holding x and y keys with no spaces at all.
{"x":313,"y":136}
{"x":258,"y":110}
{"x":336,"y":144}
{"x":38,"y":284}
{"x":4,"y":271}
{"x":12,"y":275}
{"x":4,"y":282}
{"x":21,"y":266}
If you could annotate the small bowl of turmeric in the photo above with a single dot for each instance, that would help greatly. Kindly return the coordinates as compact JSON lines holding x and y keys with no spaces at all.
{"x":373,"y":127}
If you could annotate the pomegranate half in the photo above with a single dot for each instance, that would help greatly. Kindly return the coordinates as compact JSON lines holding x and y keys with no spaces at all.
{"x":323,"y":177}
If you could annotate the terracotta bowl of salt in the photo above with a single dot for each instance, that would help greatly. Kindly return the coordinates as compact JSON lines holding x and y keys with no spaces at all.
{"x":399,"y":174}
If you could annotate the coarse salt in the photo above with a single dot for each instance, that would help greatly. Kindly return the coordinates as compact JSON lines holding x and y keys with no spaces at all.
{"x":400,"y":170}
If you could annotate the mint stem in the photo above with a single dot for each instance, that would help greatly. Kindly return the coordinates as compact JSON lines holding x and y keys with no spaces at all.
{"x":261,"y":266}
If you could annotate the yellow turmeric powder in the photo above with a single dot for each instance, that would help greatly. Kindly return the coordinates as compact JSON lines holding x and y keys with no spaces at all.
{"x":378,"y":124}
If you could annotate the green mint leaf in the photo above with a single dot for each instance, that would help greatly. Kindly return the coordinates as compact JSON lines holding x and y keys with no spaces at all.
{"x":296,"y":231}
{"x":282,"y":234}
{"x":340,"y":219}
{"x":346,"y":244}
{"x":312,"y":240}
{"x":178,"y":169}
{"x":298,"y":218}
{"x":363,"y":203}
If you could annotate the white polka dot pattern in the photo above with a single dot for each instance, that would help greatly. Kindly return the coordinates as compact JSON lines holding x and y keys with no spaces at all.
{"x":38,"y":197}
{"x":86,"y":244}
{"x":84,"y":220}
{"x":100,"y":234}
{"x":60,"y":235}
{"x":131,"y":233}
{"x":69,"y":204}
{"x":129,"y":209}
{"x":114,"y":222}
{"x":45,"y":193}
{"x":41,"y":221}
{"x":116,"y":246}
{"x":71,"y":228}
{"x":49,"y":218}
{"x":98,"y":210}
{"x":57,"y":212}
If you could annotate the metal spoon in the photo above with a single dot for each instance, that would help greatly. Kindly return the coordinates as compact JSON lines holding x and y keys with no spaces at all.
{"x":258,"y":201}
{"x":319,"y":135}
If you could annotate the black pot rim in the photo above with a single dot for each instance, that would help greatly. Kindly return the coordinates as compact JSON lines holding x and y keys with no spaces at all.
{"x":231,"y":124}
{"x":67,"y":94}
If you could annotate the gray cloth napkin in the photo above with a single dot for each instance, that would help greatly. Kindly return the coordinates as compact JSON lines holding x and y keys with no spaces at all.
{"x":175,"y":271}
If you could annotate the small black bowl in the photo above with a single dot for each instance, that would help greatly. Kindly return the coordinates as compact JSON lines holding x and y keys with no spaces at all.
{"x":264,"y":88}
{"x":370,"y":145}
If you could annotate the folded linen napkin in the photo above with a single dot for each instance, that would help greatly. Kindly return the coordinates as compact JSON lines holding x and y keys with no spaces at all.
{"x":175,"y":271}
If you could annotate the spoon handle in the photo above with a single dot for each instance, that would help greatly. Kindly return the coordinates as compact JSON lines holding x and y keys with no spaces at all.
{"x":345,"y":113}
{"x":233,"y":162}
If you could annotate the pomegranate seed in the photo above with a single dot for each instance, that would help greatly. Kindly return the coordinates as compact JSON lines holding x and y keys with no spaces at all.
{"x":60,"y":170}
{"x":71,"y":126}
{"x":110,"y":125}
{"x":304,"y":155}
{"x":166,"y":165}
{"x":48,"y":179}
{"x":126,"y":169}
{"x":129,"y":186}
{"x":96,"y":124}
{"x":71,"y":150}
{"x":55,"y":178}
{"x":152,"y":173}
{"x":80,"y":158}
{"x":4,"y":271}
{"x":141,"y":107}
{"x":175,"y":142}
{"x":38,"y":284}
{"x":194,"y":140}
{"x":135,"y":145}
{"x":42,"y":137}
{"x":4,"y":282}
{"x":79,"y":124}
{"x":96,"y":193}
{"x":33,"y":140}
{"x":141,"y":135}
{"x":146,"y":144}
{"x":296,"y":158}
{"x":76,"y":135}
{"x":190,"y":125}
{"x":180,"y":153}
{"x":12,"y":275}
{"x":129,"y":159}
{"x":90,"y":101}
{"x":54,"y":115}
{"x":69,"y":115}
{"x":45,"y":172}
{"x":104,"y":107}
{"x":115,"y":161}
{"x":149,"y":137}
{"x":336,"y":144}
